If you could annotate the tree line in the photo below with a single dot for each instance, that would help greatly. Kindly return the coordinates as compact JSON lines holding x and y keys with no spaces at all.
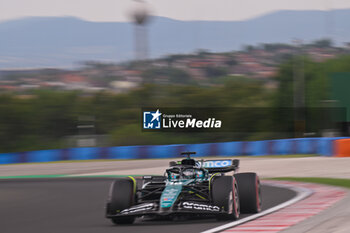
{"x":43,"y":119}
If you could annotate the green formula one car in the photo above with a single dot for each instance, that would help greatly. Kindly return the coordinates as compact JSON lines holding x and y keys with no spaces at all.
{"x":188,"y":188}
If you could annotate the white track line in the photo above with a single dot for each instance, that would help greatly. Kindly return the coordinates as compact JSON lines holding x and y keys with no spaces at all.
{"x":302,"y":193}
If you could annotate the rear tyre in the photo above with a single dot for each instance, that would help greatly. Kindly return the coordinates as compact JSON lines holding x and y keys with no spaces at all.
{"x":225,"y":196}
{"x":122,"y":196}
{"x":249,"y":192}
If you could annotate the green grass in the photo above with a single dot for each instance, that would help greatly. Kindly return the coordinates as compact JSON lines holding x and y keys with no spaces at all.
{"x":319,"y":180}
{"x":65,"y":176}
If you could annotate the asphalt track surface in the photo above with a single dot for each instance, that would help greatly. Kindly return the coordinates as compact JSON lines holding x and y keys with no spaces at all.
{"x":65,"y":205}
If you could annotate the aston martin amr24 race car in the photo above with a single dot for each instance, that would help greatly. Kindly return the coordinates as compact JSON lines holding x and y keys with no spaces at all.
{"x":188,"y":188}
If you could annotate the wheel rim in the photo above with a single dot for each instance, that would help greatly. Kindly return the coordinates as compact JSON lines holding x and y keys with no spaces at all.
{"x":230,"y":203}
{"x":236,"y":202}
{"x":258,"y":195}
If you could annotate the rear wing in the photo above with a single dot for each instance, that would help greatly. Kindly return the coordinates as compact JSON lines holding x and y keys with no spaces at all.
{"x":222,"y":165}
{"x":225,"y":165}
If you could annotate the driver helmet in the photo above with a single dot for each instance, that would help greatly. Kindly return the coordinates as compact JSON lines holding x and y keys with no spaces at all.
{"x":189,"y":173}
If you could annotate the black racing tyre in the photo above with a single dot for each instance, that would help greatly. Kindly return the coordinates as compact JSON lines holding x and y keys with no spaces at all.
{"x":224,"y":191}
{"x":122,"y":196}
{"x":249,"y":192}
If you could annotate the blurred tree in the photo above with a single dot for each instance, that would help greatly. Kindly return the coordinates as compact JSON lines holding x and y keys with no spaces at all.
{"x":276,"y":46}
{"x":214,"y":72}
{"x":324,"y":43}
{"x":249,"y":48}
{"x":231,"y":61}
{"x":316,"y":80}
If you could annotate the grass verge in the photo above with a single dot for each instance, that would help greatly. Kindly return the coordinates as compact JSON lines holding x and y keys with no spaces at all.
{"x":319,"y":180}
{"x":65,"y":176}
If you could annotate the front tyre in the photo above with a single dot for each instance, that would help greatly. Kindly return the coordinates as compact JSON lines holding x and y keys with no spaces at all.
{"x":121,"y":196}
{"x":225,"y":195}
{"x":249,"y":192}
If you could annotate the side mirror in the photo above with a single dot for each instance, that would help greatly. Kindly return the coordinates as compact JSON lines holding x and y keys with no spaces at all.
{"x":235,"y":163}
{"x":172,"y":163}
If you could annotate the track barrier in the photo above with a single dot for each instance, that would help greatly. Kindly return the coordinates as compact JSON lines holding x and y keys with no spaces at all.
{"x":342,"y":148}
{"x":323,"y":146}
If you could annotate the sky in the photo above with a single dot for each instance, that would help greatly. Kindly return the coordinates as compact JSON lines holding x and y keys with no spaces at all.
{"x":119,"y":10}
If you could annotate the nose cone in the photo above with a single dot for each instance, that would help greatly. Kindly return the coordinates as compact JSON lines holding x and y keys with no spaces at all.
{"x":169,"y":196}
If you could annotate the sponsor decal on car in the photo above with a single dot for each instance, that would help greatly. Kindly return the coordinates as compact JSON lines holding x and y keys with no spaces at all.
{"x":216,"y":163}
{"x":196,"y":206}
{"x":170,"y":195}
{"x":138,"y":208}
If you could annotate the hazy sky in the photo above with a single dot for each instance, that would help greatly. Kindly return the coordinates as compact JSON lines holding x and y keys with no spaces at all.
{"x":117,"y":10}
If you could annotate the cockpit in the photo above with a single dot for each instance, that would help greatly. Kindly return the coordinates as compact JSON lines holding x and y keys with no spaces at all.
{"x":186,"y":170}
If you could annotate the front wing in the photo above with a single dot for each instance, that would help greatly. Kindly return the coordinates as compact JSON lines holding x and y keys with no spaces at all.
{"x":181,"y":208}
